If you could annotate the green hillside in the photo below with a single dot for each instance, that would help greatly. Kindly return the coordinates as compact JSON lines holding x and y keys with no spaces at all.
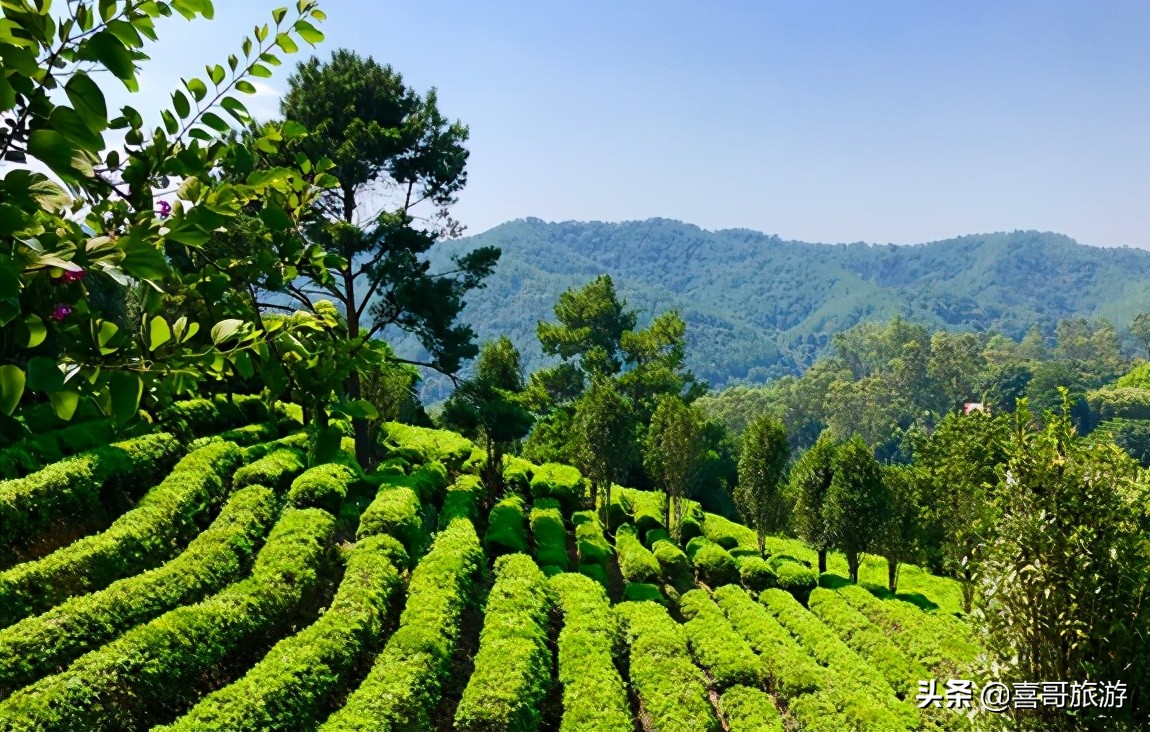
{"x":757,"y":306}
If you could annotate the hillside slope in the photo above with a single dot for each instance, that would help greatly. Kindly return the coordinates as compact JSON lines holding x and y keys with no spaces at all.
{"x":757,"y":306}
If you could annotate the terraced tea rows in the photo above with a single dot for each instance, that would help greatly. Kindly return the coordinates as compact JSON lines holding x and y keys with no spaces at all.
{"x":202,"y":577}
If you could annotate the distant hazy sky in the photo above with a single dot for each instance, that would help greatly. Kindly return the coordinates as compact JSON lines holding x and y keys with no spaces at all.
{"x":883,"y":122}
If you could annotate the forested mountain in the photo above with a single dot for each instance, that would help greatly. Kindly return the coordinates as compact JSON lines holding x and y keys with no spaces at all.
{"x":757,"y":306}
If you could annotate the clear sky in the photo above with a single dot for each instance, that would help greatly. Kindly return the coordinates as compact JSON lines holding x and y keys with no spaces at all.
{"x":882,"y":122}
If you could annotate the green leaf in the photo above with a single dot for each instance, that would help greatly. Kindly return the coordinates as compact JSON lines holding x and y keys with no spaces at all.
{"x":52,"y":148}
{"x":7,"y":94}
{"x":290,"y":129}
{"x":216,"y":74}
{"x":279,"y":14}
{"x":12,"y":219}
{"x":225,"y":329}
{"x":127,"y":33}
{"x":235,"y":108}
{"x":67,"y":122}
{"x":360,"y":408}
{"x":216,"y":122}
{"x":286,"y":44}
{"x":261,"y":71}
{"x":64,"y":402}
{"x":198,"y":88}
{"x":88,"y":101}
{"x":107,"y":10}
{"x":143,"y":261}
{"x":159,"y":332}
{"x":245,"y":86}
{"x":109,"y":50}
{"x":308,"y":32}
{"x":37,"y":331}
{"x":170,"y":123}
{"x":126,"y":390}
{"x":11,"y":388}
{"x":180,"y":102}
{"x":108,"y":331}
{"x":44,"y":375}
{"x":244,"y":366}
{"x":275,"y":218}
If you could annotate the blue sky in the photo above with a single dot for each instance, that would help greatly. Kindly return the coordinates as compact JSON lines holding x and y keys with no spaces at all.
{"x":883,"y":122}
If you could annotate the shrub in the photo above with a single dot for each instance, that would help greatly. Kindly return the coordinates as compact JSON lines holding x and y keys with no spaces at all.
{"x":714,"y":565}
{"x":462,"y":500}
{"x":289,"y":688}
{"x":647,"y":509}
{"x":756,"y":574}
{"x":868,"y":640}
{"x":419,"y":445}
{"x":640,"y":591}
{"x":550,"y":534}
{"x":165,"y":519}
{"x":654,"y":536}
{"x":794,"y":577}
{"x":33,"y":453}
{"x":674,"y":565}
{"x":619,"y":511}
{"x":750,"y":710}
{"x":73,"y":487}
{"x":728,"y":534}
{"x":715,"y":645}
{"x":518,"y":473}
{"x":635,"y":562}
{"x":506,"y":527}
{"x":561,"y":482}
{"x":590,"y":544}
{"x":671,"y":689}
{"x":513,"y":666}
{"x":595,"y":572}
{"x":323,"y":486}
{"x":395,"y":511}
{"x":689,"y":528}
{"x":594,"y":697}
{"x":245,"y":436}
{"x":45,"y":644}
{"x":198,"y":417}
{"x":149,"y":672}
{"x":404,"y":685}
{"x":275,"y":470}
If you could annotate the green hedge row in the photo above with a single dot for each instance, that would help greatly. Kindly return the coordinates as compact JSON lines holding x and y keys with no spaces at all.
{"x":513,"y":666}
{"x":34,"y":452}
{"x":419,"y":445}
{"x":750,"y":710}
{"x":427,"y":481}
{"x":395,"y":511}
{"x":714,"y":565}
{"x":716,"y":645}
{"x":148,"y":674}
{"x":794,"y":576}
{"x":461,"y":500}
{"x":324,"y":486}
{"x":871,"y":696}
{"x":619,"y":510}
{"x":674,"y":566}
{"x":550,"y":535}
{"x":636,"y":563}
{"x":247,"y":436}
{"x":942,"y":646}
{"x":594,"y":696}
{"x":165,"y":519}
{"x":72,"y":487}
{"x":647,"y":509}
{"x":671,"y":688}
{"x":507,"y":527}
{"x":869,"y":641}
{"x":517,"y":473}
{"x":640,"y":591}
{"x":45,"y":644}
{"x":275,"y":469}
{"x":198,"y":417}
{"x":561,"y":482}
{"x":405,"y":683}
{"x":590,"y":544}
{"x":290,"y":688}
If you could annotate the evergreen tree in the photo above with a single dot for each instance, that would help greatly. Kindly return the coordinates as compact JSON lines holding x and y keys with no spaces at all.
{"x":602,"y":433}
{"x":673,"y":452}
{"x":810,"y":480}
{"x":857,"y":502}
{"x":762,"y":463}
{"x":899,"y":540}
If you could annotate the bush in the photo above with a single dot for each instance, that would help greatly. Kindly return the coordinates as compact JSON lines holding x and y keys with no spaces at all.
{"x":404,"y":685}
{"x":756,"y":574}
{"x":418,"y":445}
{"x":513,"y":666}
{"x":198,"y":417}
{"x":518,"y":473}
{"x":324,"y":486}
{"x":290,"y":687}
{"x":714,"y":565}
{"x":30,"y":506}
{"x":34,"y":452}
{"x":674,"y":566}
{"x":149,"y":673}
{"x":590,"y":544}
{"x":595,"y":572}
{"x":594,"y":696}
{"x":654,"y":536}
{"x":689,"y":528}
{"x":636,"y":563}
{"x":561,"y":482}
{"x":45,"y":644}
{"x":550,"y":534}
{"x":642,"y":591}
{"x":395,"y":511}
{"x":750,"y":710}
{"x":462,"y":500}
{"x":647,"y":508}
{"x":794,"y":577}
{"x":728,"y":534}
{"x":246,"y":436}
{"x":715,"y":645}
{"x":165,"y":519}
{"x":619,"y":511}
{"x":506,"y":527}
{"x":869,"y":641}
{"x":275,"y":470}
{"x":671,"y":689}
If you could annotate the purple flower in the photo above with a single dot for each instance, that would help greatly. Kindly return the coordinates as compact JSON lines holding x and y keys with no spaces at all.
{"x":165,"y":209}
{"x":74,"y":275}
{"x":61,"y":311}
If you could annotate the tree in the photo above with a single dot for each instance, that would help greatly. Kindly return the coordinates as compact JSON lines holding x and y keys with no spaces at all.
{"x":762,"y":463}
{"x":489,"y":406}
{"x":898,"y":542}
{"x":958,"y":465}
{"x":93,"y":226}
{"x":673,"y":452}
{"x":602,"y":433}
{"x":1002,"y":386}
{"x":1140,"y":329}
{"x":400,"y":164}
{"x":810,"y":480}
{"x":589,"y":334}
{"x":857,"y":502}
{"x":956,"y":361}
{"x":1065,"y":582}
{"x":1033,"y":346}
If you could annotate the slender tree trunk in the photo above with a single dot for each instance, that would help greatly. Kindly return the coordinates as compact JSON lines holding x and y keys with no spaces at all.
{"x":822,"y":561}
{"x":892,"y":574}
{"x":607,"y":505}
{"x":967,"y":594}
{"x":667,"y":515}
{"x":853,"y":565}
{"x":762,"y":543}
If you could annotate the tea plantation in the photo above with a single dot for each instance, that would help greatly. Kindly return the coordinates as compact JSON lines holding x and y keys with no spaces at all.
{"x":201,"y":576}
